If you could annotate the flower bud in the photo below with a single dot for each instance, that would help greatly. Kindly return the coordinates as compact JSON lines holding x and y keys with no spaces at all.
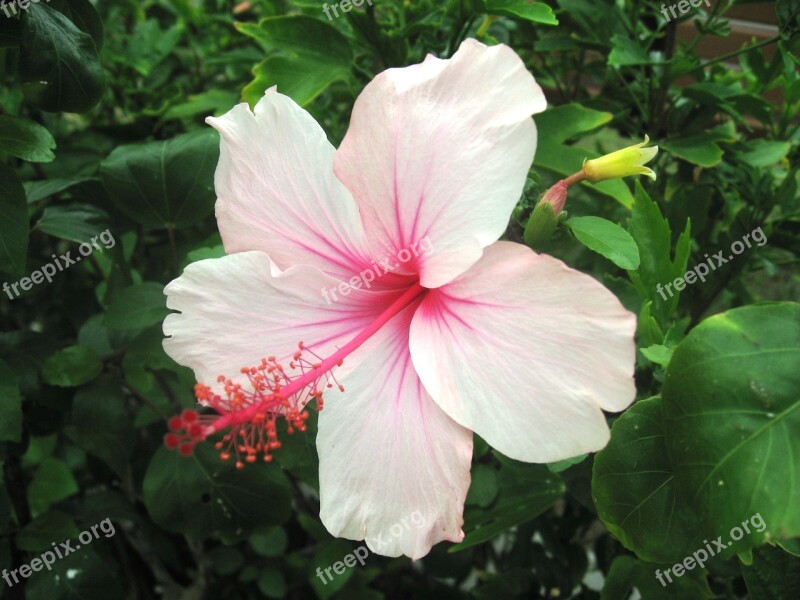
{"x":621,"y":163}
{"x":556,"y":196}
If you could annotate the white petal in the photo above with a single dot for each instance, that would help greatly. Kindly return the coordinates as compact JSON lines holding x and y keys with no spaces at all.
{"x":525,"y":352}
{"x":277,"y":192}
{"x":240,"y":308}
{"x":394,"y":469}
{"x":440,"y":151}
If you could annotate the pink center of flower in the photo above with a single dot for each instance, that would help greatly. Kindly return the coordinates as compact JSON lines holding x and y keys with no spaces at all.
{"x":250,"y":414}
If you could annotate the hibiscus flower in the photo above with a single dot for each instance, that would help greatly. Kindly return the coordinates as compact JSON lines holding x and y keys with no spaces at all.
{"x":475,"y":335}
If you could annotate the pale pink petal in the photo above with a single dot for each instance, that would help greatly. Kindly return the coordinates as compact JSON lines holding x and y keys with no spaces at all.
{"x":441,"y":150}
{"x":394,"y":469}
{"x":240,"y":308}
{"x":525,"y":352}
{"x":277,"y":192}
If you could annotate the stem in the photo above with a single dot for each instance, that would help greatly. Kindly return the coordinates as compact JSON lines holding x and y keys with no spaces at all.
{"x":487,"y":21}
{"x":734,"y":53}
{"x":575,"y":178}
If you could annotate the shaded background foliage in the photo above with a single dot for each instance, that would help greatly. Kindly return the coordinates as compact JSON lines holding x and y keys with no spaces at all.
{"x":101,"y":114}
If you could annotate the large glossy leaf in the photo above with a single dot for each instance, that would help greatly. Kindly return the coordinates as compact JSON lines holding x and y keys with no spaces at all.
{"x":58,"y":64}
{"x":633,"y":488}
{"x":202,"y":496}
{"x":83,"y":15}
{"x":164,"y":184}
{"x":26,"y":139}
{"x":312,"y":56}
{"x":627,"y":574}
{"x":13,"y":222}
{"x":732,"y":420}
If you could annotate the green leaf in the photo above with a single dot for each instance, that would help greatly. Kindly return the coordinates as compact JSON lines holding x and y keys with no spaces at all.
{"x":202,"y":496}
{"x":626,"y":51}
{"x":658,"y":354}
{"x":10,"y":405}
{"x":732,"y":420}
{"x":83,"y":15}
{"x":272,"y":583}
{"x":652,"y":234}
{"x":164,"y":184}
{"x":272,"y":542}
{"x":88,"y":574}
{"x":150,"y":45}
{"x":701,"y":148}
{"x":313,"y":55}
{"x":58,"y":63}
{"x":525,"y":491}
{"x":634,"y":489}
{"x":627,"y":574}
{"x":788,"y":14}
{"x":535,"y":12}
{"x":562,"y":465}
{"x":72,"y":367}
{"x":212,"y":101}
{"x":103,"y":426}
{"x":559,"y":124}
{"x":26,"y":139}
{"x":225,"y":560}
{"x":73,"y":222}
{"x":774,"y":575}
{"x":137,"y":307}
{"x":13,"y":222}
{"x":607,"y":239}
{"x":764,"y":153}
{"x":39,"y":190}
{"x":52,"y":526}
{"x":483,"y":487}
{"x":52,"y":482}
{"x":330,"y":553}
